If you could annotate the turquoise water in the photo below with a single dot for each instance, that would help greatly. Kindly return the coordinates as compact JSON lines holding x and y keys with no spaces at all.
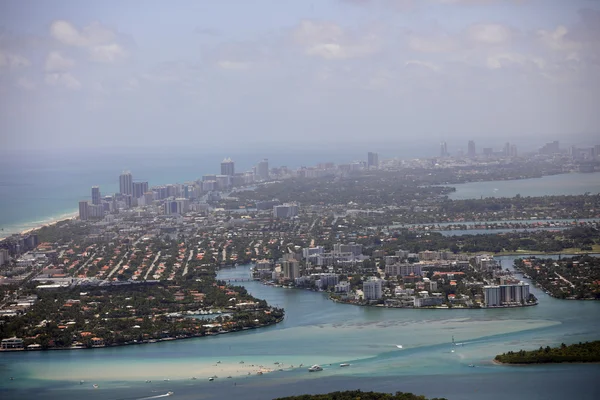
{"x":317,"y":330}
{"x":564,"y":184}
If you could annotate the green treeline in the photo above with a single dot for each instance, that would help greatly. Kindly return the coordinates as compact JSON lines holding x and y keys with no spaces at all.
{"x":358,"y":395}
{"x":580,"y":352}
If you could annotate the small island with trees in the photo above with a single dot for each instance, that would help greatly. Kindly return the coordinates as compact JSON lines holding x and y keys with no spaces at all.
{"x":588,"y":352}
{"x":358,"y":394}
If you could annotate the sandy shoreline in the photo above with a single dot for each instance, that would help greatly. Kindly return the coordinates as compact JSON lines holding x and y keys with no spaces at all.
{"x":61,"y":218}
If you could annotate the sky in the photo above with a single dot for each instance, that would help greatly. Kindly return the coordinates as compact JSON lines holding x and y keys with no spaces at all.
{"x":238,"y":74}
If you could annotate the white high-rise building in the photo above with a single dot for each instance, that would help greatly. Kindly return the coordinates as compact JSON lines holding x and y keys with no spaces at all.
{"x":373,"y":289}
{"x":285,"y":211}
{"x":126,"y":183}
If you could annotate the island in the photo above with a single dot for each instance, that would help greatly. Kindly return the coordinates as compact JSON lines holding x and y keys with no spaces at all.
{"x":588,"y":352}
{"x":358,"y":394}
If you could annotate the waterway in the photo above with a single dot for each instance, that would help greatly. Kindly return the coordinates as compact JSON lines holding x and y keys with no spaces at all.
{"x":564,"y":184}
{"x":319,"y":331}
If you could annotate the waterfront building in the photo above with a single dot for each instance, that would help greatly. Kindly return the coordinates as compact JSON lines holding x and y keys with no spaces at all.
{"x":224,"y":181}
{"x":262,"y":170}
{"x":4,"y":256}
{"x":126,"y":183}
{"x":228,"y":167}
{"x":471,"y":149}
{"x":372,"y":160}
{"x":83,"y":210}
{"x":373,"y":289}
{"x":515,"y":294}
{"x":287,"y":210}
{"x":291,"y":269}
{"x":96,"y":198}
{"x":342,"y":287}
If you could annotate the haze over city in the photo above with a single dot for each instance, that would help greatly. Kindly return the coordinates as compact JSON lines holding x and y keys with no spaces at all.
{"x":295,"y":74}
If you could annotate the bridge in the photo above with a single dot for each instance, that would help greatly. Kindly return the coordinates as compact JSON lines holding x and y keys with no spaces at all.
{"x":237,"y":280}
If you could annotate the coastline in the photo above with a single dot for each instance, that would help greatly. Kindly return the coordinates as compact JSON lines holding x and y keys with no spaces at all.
{"x":39,"y":224}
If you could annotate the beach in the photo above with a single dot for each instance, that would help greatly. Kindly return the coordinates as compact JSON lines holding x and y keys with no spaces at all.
{"x":38,"y":225}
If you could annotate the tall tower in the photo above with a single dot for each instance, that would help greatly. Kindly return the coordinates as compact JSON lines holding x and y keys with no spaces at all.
{"x":372,"y":160}
{"x":262,"y":169}
{"x":96,"y":195}
{"x":228,"y":167}
{"x":471,"y":149}
{"x":126,"y":183}
{"x":83,"y":210}
{"x":443,"y":149}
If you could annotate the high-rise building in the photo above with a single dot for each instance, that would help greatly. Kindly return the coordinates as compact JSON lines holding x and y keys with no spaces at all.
{"x":372,"y":160}
{"x":262,"y":169}
{"x":285,"y":211}
{"x":83,"y":210}
{"x":139,"y":188}
{"x":443,"y":149}
{"x":96,"y":198}
{"x":228,"y":167}
{"x":550,"y":148}
{"x":471,"y":149}
{"x":126,"y":183}
{"x":372,"y":289}
{"x":291,"y":269}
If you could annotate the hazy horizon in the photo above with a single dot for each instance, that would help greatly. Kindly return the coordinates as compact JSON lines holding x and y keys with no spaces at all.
{"x":339,"y":75}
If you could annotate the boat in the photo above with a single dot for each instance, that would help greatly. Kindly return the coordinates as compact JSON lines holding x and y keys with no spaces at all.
{"x":472,"y":365}
{"x":211,"y":379}
{"x":315,"y":368}
{"x":169,"y":393}
{"x":95,"y":386}
{"x":344,"y":365}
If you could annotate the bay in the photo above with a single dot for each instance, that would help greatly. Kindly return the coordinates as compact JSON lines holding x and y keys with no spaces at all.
{"x":317,"y":330}
{"x":563,"y":184}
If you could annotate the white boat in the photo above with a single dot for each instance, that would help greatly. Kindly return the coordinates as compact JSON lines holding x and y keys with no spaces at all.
{"x":169,"y":393}
{"x":344,"y":365}
{"x":95,"y":386}
{"x":211,"y":379}
{"x":315,"y":368}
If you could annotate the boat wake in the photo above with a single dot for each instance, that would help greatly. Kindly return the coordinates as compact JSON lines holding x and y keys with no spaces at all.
{"x":157,"y":397}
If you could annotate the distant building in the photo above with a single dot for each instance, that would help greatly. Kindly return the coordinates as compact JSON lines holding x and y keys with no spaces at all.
{"x":372,"y":160}
{"x":96,"y":198}
{"x":4,"y":256}
{"x":443,"y":150}
{"x":83,"y":211}
{"x":126,"y":183}
{"x":373,"y":289}
{"x":228,"y":167}
{"x":471,"y":149}
{"x":488,"y":151}
{"x":138,"y":189}
{"x":262,"y":169}
{"x":285,"y":211}
{"x":550,"y":148}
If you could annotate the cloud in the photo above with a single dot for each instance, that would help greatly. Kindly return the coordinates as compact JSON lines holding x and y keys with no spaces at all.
{"x":26,"y":83}
{"x":55,"y":62}
{"x":64,"y":79}
{"x":233,"y":65}
{"x":507,"y":60}
{"x":558,"y":39}
{"x":100,"y":42}
{"x":11,"y":60}
{"x":423,"y":64}
{"x":438,"y":43}
{"x":329,"y":41}
{"x":491,"y":34}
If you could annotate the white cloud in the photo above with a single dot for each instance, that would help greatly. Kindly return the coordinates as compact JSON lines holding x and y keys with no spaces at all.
{"x":99,"y":41}
{"x":423,"y":64}
{"x":558,"y":40}
{"x":62,"y":79}
{"x":26,"y":83}
{"x":489,"y":34}
{"x":441,"y":43}
{"x":329,"y":41}
{"x":233,"y":65}
{"x":107,"y":53}
{"x":11,"y":60}
{"x":506,"y":60}
{"x":55,"y":62}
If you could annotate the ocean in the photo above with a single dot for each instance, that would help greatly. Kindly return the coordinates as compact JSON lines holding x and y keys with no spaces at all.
{"x":317,"y":330}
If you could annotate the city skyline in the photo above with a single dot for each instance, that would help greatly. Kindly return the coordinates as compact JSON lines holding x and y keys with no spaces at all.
{"x":341,"y":72}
